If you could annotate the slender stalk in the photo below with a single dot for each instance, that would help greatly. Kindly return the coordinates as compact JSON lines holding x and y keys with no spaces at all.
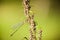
{"x":30,"y":20}
{"x":40,"y":35}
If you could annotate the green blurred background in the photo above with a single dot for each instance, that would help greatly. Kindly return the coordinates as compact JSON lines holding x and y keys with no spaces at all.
{"x":47,"y":17}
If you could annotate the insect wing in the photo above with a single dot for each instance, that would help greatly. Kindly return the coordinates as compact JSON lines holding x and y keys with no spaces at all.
{"x":17,"y":25}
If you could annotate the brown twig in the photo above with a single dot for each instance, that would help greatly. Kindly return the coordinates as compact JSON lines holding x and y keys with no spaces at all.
{"x":30,"y":20}
{"x":40,"y":35}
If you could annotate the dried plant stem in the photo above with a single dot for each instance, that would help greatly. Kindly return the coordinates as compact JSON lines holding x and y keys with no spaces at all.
{"x":30,"y":20}
{"x":40,"y":35}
